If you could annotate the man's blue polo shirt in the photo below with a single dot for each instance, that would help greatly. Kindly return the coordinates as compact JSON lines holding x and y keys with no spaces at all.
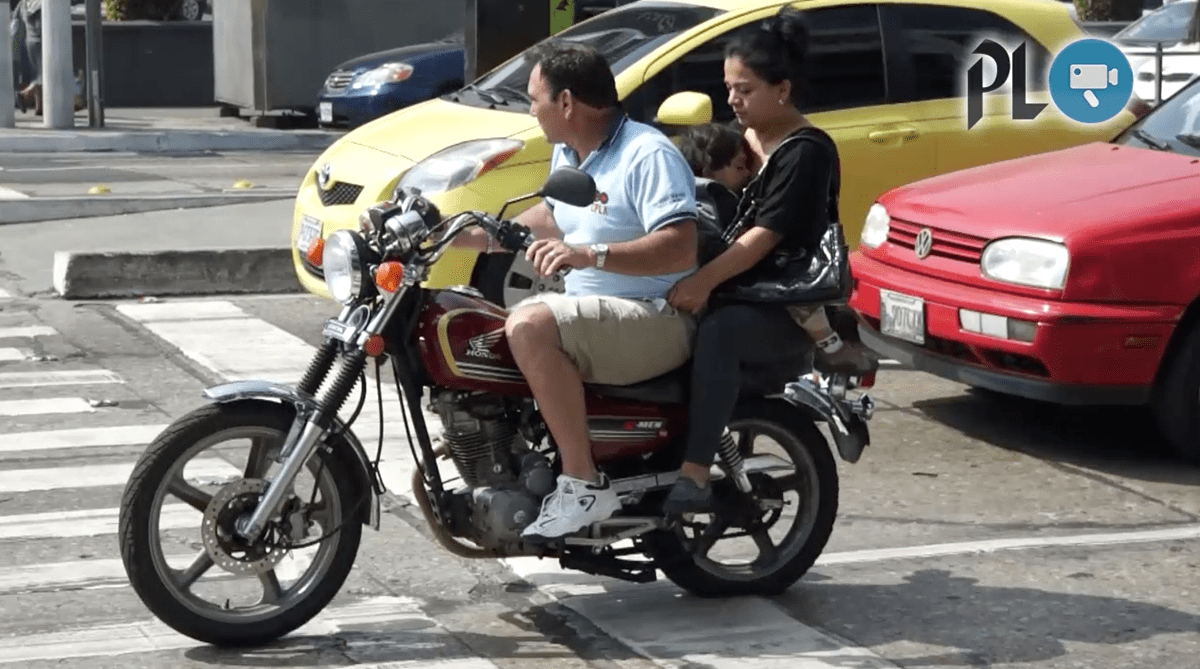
{"x":642,"y":184}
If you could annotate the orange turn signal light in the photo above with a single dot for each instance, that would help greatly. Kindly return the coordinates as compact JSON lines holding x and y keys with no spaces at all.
{"x":388,"y":276}
{"x":316,"y":252}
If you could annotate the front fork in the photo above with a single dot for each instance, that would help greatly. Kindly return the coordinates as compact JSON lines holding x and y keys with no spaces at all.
{"x":311,"y":427}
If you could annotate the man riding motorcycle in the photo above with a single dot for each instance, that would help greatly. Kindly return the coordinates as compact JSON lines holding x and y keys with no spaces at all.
{"x":637,"y":239}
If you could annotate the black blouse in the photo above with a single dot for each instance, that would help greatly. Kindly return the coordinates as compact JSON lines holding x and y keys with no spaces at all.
{"x":795,"y":194}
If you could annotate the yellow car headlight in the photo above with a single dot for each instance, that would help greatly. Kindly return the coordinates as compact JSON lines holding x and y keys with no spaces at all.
{"x":458,"y":165}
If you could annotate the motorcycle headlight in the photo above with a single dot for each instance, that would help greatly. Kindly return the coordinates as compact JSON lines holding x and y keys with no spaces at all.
{"x":388,"y":73}
{"x":345,"y":267}
{"x":458,"y":165}
{"x":875,"y":227}
{"x":1028,"y":262}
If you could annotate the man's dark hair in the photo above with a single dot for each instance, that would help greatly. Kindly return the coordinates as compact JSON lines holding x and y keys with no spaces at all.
{"x":579,"y":68}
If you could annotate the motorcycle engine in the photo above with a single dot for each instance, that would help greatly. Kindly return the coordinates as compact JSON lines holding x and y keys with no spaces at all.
{"x":506,"y":479}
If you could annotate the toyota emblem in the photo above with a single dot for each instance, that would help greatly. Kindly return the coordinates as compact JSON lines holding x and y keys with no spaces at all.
{"x":323,"y":175}
{"x":924,"y":243}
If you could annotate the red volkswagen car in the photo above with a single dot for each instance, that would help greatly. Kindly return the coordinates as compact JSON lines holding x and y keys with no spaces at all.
{"x":1070,"y":276}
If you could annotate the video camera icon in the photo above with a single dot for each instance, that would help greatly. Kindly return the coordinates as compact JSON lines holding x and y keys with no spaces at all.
{"x":1091,"y":77}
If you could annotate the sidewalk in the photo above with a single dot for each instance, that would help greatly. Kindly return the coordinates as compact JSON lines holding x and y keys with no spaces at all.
{"x":243,"y":248}
{"x":158,"y":129}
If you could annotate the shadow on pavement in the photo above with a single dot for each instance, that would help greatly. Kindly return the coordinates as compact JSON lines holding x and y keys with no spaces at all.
{"x":1117,"y":440}
{"x":979,"y":626}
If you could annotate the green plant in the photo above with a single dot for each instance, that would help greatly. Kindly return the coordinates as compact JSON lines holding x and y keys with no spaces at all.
{"x":141,"y":10}
{"x":1109,"y":10}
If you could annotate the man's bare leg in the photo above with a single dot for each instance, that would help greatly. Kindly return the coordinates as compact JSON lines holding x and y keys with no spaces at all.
{"x":533,"y":339}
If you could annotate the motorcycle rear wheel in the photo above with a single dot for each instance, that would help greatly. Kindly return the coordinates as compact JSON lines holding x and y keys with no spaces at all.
{"x":168,"y":592}
{"x":778,"y":567}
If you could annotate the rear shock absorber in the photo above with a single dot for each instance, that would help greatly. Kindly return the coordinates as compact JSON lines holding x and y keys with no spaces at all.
{"x":734,"y":465}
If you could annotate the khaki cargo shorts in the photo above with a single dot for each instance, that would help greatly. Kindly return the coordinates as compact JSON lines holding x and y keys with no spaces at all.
{"x":619,"y":341}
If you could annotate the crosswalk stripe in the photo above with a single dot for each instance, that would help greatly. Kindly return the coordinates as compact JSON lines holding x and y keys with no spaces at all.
{"x":70,"y":377}
{"x":14,"y":354}
{"x":27,"y":332}
{"x":61,"y":575}
{"x":5,"y":295}
{"x":51,"y":405}
{"x":87,"y":523}
{"x":96,"y":476}
{"x":154,"y":636}
{"x":121,"y":435}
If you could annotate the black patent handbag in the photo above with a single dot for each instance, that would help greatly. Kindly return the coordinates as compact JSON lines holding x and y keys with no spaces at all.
{"x":795,"y":277}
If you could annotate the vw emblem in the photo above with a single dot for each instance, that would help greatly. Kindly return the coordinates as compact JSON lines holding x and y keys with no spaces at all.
{"x":924,"y":243}
{"x":323,"y":175}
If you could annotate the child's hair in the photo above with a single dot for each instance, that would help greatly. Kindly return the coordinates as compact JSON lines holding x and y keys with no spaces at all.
{"x":711,"y":147}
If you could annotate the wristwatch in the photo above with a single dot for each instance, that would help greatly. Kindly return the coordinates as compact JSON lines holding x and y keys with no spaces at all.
{"x":601,"y":251}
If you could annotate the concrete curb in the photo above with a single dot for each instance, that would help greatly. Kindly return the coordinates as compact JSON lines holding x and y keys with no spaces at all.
{"x":125,"y":274}
{"x":34,"y":209}
{"x":37,"y":141}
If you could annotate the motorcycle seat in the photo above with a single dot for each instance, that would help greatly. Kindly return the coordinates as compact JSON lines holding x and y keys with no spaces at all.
{"x":673,"y":387}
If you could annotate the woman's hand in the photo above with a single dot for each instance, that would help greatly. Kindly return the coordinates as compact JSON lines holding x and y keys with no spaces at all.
{"x":690,"y":294}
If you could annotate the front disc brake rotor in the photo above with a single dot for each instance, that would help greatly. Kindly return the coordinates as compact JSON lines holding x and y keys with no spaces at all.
{"x":224,"y":545}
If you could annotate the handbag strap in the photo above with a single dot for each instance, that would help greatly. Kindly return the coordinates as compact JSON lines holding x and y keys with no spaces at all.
{"x":809,"y":133}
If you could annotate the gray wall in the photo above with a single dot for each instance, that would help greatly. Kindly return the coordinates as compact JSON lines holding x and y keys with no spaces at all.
{"x":275,"y":54}
{"x":152,"y":64}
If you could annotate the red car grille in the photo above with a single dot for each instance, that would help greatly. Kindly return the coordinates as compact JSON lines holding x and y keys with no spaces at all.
{"x":954,"y":245}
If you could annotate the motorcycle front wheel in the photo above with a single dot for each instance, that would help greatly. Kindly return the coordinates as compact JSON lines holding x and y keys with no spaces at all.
{"x":182,"y":556}
{"x":759,"y":544}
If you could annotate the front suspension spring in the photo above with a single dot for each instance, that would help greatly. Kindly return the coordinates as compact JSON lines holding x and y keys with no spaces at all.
{"x":335,"y":396}
{"x":319,"y":368}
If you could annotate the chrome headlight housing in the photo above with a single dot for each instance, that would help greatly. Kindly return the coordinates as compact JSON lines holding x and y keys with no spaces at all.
{"x":345,"y":267}
{"x":458,"y":165}
{"x":1037,"y":263}
{"x":388,"y":73}
{"x":875,"y":227}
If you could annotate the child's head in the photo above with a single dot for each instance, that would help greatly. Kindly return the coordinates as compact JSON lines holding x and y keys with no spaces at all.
{"x":719,"y":152}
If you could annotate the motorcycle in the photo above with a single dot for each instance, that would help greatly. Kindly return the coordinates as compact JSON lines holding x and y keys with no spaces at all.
{"x":304,"y":485}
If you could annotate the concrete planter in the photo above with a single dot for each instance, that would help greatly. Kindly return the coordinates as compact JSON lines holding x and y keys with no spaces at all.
{"x":153,"y":63}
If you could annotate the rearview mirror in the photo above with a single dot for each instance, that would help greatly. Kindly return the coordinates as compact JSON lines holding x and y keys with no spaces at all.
{"x":570,"y":185}
{"x":686,"y":108}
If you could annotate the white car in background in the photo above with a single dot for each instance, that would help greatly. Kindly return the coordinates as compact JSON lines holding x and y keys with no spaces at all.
{"x":1167,"y":24}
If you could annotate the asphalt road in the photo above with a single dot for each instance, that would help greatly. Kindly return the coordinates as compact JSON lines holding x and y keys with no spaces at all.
{"x":976,"y":531}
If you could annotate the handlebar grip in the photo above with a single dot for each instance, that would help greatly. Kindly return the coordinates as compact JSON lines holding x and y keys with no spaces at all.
{"x":514,"y":236}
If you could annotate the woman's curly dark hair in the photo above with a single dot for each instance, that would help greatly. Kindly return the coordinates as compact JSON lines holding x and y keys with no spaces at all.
{"x":777,"y":50}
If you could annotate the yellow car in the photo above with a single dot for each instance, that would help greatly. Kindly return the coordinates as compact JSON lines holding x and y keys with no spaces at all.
{"x":886,"y":81}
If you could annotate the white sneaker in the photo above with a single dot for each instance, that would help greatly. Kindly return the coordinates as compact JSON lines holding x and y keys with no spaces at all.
{"x":574,"y":505}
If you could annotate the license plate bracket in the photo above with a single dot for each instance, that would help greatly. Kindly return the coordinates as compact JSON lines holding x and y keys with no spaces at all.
{"x":902,"y":316}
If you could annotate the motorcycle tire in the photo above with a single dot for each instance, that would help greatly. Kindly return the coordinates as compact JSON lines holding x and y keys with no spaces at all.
{"x":805,"y":446}
{"x":204,"y":621}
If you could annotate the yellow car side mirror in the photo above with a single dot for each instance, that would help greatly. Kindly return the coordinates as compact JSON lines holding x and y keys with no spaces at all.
{"x":686,"y":108}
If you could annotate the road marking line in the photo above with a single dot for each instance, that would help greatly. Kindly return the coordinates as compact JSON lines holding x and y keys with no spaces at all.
{"x":27,"y":332}
{"x":154,"y":312}
{"x":50,"y":405}
{"x":88,"y":522}
{"x":70,"y":377}
{"x":154,"y":636}
{"x":14,"y":354}
{"x":62,"y":575}
{"x":121,"y":435}
{"x":1021,"y":543}
{"x":10,"y":194}
{"x":98,"y":476}
{"x":5,"y":295}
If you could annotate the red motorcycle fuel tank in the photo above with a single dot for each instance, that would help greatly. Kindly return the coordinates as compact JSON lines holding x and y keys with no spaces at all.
{"x":463,"y":346}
